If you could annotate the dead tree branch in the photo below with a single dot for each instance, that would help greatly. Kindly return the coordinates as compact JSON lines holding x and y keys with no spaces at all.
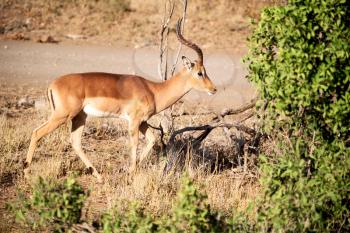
{"x":230,"y":111}
{"x":164,"y":33}
{"x":223,"y":113}
{"x":173,"y":152}
{"x":217,"y":122}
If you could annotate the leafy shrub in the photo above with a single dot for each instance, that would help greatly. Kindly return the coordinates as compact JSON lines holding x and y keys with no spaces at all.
{"x":240,"y":222}
{"x":51,"y":205}
{"x":299,"y":60}
{"x":191,"y":212}
{"x":133,"y":220}
{"x":306,"y":192}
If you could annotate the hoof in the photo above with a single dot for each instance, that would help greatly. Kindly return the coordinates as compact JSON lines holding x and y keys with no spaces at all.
{"x":98,"y":177}
{"x":99,"y":180}
{"x":89,"y":171}
{"x":93,"y":172}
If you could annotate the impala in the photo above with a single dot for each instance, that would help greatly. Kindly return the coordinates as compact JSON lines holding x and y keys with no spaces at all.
{"x":75,"y":96}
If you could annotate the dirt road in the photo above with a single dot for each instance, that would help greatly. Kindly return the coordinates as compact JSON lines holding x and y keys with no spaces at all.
{"x":35,"y":63}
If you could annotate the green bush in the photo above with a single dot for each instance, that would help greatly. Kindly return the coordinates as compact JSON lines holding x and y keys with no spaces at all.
{"x":133,"y":220}
{"x":306,"y":192}
{"x":191,"y":212}
{"x":299,"y":61}
{"x":56,"y":206}
{"x":240,"y":222}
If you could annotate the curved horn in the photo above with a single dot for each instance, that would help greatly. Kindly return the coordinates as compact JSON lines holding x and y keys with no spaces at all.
{"x":188,"y":43}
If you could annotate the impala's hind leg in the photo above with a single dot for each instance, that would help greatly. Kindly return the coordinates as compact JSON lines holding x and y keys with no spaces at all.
{"x":78,"y":123}
{"x":46,"y":128}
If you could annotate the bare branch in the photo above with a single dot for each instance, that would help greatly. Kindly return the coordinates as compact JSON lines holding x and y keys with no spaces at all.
{"x":223,"y":113}
{"x":160,"y":128}
{"x":172,"y":155}
{"x":230,"y":111}
{"x":164,"y":33}
{"x":236,"y":125}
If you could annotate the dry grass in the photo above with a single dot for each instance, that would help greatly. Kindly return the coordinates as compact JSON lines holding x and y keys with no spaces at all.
{"x":105,"y":142}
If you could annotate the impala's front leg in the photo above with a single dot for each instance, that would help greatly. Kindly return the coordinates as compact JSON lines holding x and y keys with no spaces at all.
{"x":134,"y":140}
{"x":78,"y":124}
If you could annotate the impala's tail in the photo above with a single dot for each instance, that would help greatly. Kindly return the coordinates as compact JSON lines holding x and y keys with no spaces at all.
{"x":50,"y":97}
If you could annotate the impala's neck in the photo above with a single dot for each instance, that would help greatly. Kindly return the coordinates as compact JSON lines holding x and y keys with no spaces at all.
{"x":170,"y":91}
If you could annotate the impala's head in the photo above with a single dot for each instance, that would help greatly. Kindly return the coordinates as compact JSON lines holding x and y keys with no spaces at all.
{"x":198,"y":75}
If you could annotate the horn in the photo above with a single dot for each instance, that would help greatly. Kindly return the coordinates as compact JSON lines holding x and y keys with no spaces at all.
{"x":188,"y":43}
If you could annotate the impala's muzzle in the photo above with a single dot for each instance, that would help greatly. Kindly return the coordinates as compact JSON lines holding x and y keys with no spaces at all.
{"x":212,"y":91}
{"x":210,"y":87}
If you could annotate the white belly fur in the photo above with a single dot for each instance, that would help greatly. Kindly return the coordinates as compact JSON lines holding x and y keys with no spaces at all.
{"x":90,"y":110}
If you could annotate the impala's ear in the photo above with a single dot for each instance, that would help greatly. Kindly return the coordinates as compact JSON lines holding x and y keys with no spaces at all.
{"x":187,"y":63}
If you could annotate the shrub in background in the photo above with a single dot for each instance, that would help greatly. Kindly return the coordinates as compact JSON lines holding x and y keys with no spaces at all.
{"x":192,"y":213}
{"x":132,"y":220}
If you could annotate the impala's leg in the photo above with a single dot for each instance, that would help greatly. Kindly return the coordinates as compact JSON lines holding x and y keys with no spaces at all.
{"x":40,"y":132}
{"x":78,"y":123}
{"x":134,"y":140}
{"x":151,"y":139}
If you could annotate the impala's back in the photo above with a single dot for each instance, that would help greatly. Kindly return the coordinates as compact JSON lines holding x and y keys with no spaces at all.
{"x":101,"y":94}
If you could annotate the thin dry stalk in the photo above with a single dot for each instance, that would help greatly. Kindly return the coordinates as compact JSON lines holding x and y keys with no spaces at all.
{"x":164,"y":33}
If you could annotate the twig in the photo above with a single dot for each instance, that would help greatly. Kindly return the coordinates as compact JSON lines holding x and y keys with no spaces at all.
{"x":244,"y":108}
{"x":186,"y":129}
{"x":168,"y":13}
{"x":223,"y":113}
{"x":160,"y":128}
